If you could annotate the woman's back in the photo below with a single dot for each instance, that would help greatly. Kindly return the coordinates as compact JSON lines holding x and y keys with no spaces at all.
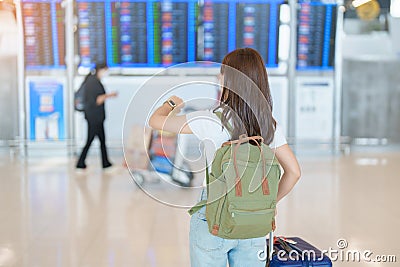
{"x":93,"y":111}
{"x":207,"y":127}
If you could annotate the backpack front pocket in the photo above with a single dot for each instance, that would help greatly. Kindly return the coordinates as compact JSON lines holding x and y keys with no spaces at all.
{"x":246,"y":222}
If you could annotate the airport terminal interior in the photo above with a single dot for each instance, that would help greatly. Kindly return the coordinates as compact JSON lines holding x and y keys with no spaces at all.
{"x":333,"y":70}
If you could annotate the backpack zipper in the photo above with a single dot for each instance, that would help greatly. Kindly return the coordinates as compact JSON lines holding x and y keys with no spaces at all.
{"x":218,"y":222}
{"x":240,"y":212}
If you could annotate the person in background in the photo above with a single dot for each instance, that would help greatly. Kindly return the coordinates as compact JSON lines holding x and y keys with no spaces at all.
{"x":95,"y":97}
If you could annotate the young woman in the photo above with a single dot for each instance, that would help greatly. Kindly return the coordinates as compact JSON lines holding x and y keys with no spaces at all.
{"x":246,"y":106}
{"x":95,"y":96}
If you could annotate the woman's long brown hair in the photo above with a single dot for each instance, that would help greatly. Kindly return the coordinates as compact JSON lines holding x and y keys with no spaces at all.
{"x":246,"y":98}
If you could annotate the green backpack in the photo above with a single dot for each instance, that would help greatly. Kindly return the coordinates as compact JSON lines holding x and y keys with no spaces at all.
{"x":241,"y":189}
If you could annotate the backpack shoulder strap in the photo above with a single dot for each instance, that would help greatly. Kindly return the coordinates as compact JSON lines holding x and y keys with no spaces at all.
{"x":202,"y":203}
{"x":197,"y":207}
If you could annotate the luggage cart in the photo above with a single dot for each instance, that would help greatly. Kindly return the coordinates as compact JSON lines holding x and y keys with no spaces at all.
{"x":167,"y":159}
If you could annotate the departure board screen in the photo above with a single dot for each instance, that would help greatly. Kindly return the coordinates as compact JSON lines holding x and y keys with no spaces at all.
{"x":91,"y":32}
{"x":257,"y":27}
{"x":160,"y":33}
{"x":137,"y":33}
{"x":128,"y":33}
{"x":171,"y":24}
{"x":316,"y":35}
{"x":216,"y":31}
{"x":228,"y":25}
{"x":44,"y":34}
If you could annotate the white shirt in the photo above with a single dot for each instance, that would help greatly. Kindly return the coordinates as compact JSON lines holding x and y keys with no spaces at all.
{"x":208,"y":128}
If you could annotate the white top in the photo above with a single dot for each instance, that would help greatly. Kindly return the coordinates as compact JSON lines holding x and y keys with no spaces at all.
{"x":208,"y":128}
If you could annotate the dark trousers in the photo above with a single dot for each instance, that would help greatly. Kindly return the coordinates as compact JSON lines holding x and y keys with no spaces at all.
{"x":94,"y":129}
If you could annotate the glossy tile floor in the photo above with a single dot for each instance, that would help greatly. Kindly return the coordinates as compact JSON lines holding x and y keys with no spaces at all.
{"x":51,"y":216}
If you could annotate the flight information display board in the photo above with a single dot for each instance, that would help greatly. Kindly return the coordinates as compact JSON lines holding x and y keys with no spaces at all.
{"x":137,"y":33}
{"x":229,"y":25}
{"x":91,"y":32}
{"x":159,"y":33}
{"x":177,"y":36}
{"x":216,"y":25}
{"x":44,"y":34}
{"x":316,"y":33}
{"x":128,"y":33}
{"x":257,"y":26}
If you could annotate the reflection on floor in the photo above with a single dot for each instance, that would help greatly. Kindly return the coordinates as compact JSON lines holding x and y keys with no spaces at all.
{"x":51,"y":216}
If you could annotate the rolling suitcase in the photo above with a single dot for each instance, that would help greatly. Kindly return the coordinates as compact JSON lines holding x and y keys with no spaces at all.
{"x":294,"y":252}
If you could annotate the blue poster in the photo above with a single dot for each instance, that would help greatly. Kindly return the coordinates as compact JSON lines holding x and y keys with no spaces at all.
{"x":46,"y":110}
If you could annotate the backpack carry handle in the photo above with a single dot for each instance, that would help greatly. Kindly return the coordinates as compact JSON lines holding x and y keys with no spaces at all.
{"x":244,"y":138}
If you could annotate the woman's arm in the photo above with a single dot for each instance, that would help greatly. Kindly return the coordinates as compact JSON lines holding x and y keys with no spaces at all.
{"x":291,"y":170}
{"x":165,"y":118}
{"x":102,"y":98}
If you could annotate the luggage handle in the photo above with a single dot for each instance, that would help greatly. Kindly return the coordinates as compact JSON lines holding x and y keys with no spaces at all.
{"x":269,"y":250}
{"x":270,"y":245}
{"x":288,"y":247}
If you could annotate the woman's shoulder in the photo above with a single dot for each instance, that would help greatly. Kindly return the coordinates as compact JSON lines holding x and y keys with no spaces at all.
{"x":91,"y":79}
{"x":205,"y":124}
{"x":279,"y":137}
{"x":94,"y":82}
{"x":202,"y":114}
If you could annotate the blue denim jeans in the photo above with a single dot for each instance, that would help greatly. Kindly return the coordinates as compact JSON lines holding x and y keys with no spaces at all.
{"x":207,"y":250}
